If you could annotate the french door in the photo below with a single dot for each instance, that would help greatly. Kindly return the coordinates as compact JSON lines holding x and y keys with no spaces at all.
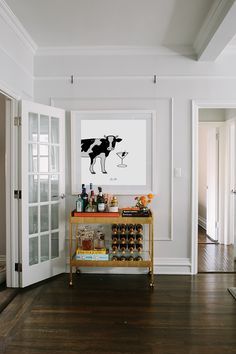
{"x":42,"y":181}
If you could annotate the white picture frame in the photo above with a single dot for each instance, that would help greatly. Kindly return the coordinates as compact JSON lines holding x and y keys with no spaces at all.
{"x":114,"y":150}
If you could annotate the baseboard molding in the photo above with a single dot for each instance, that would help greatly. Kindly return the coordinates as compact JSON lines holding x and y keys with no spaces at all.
{"x":202,"y":222}
{"x":172,"y":266}
{"x":161,"y":266}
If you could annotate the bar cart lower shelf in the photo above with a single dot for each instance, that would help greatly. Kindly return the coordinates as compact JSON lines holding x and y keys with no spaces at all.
{"x":147,"y":263}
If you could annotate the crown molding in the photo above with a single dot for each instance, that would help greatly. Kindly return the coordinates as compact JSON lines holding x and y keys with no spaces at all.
{"x":10,"y":18}
{"x":115,"y":50}
{"x":213,"y":20}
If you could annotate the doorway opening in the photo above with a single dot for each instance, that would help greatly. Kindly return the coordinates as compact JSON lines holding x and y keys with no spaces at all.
{"x":214,"y":184}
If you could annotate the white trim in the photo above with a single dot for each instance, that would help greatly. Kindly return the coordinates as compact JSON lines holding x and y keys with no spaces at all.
{"x":196,"y":105}
{"x":11,"y":168}
{"x":6,"y":91}
{"x":213,"y":20}
{"x":202,"y":222}
{"x":10,"y":18}
{"x":161,"y":266}
{"x":24,"y":69}
{"x":116,"y":50}
{"x":165,"y":265}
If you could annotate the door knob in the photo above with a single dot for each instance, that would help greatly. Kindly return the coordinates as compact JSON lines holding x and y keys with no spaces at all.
{"x":62,"y":196}
{"x":233,"y":191}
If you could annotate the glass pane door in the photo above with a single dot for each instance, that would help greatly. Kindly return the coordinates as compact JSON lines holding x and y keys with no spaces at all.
{"x":42,"y":183}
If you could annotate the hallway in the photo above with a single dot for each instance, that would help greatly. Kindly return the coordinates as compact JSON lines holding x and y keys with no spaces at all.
{"x":214,"y":257}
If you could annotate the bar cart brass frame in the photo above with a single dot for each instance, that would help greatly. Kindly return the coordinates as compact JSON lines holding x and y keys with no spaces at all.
{"x":75,"y":221}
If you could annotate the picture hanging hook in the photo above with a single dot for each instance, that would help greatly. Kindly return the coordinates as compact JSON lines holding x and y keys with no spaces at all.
{"x":154,"y":79}
{"x":72,"y":79}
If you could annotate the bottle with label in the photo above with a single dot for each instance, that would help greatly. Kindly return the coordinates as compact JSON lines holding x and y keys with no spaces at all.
{"x":84,"y":197}
{"x":113,"y":208}
{"x":100,"y":201}
{"x":90,"y":208}
{"x":79,"y":204}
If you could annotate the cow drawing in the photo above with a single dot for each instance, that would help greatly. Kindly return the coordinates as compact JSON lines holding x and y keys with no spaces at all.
{"x":98,"y":148}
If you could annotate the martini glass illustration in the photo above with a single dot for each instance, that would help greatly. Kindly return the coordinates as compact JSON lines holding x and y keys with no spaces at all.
{"x":122,"y":155}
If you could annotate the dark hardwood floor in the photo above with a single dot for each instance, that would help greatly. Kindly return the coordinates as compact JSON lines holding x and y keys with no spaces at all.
{"x":214,"y":257}
{"x":117,"y":314}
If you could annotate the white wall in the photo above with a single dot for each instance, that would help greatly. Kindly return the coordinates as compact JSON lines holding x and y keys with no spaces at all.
{"x":126,"y":82}
{"x":16,"y":57}
{"x":212,"y":115}
{"x":2,"y":178}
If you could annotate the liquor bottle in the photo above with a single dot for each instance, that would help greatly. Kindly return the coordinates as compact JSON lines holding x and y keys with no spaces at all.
{"x":123,"y":258}
{"x":131,"y":238}
{"x":123,"y":247}
{"x":138,"y":258}
{"x":100,"y":201}
{"x":114,"y":229}
{"x":90,"y":208}
{"x":114,"y":238}
{"x":139,"y":247}
{"x":131,"y":247}
{"x":84,"y":197}
{"x":139,"y":238}
{"x":139,"y":228}
{"x":131,"y":228}
{"x":123,"y":228}
{"x":115,"y":258}
{"x":79,"y":204}
{"x":114,"y":247}
{"x":122,"y":238}
{"x":92,"y":197}
{"x":131,"y":258}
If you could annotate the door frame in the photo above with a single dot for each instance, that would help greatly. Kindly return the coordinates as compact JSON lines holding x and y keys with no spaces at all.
{"x":196,"y":105}
{"x":11,"y":183}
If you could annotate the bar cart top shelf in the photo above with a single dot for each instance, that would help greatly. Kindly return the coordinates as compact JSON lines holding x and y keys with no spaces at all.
{"x":116,"y":219}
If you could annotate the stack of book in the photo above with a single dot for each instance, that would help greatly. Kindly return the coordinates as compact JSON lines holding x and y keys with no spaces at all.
{"x":136,"y":212}
{"x":92,"y":255}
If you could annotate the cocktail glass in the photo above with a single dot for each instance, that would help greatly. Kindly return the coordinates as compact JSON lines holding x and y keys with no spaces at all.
{"x":122,"y":155}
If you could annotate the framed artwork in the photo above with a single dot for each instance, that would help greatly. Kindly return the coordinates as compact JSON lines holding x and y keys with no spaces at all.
{"x":114,"y":150}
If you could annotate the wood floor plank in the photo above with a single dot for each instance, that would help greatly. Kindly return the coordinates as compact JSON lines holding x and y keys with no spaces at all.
{"x":116,"y":314}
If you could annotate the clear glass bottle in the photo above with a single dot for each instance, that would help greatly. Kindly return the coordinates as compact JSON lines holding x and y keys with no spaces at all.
{"x":79,"y":204}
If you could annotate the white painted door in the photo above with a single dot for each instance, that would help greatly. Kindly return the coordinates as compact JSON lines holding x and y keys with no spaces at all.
{"x":42,"y":180}
{"x":212,"y":182}
{"x":232,"y":183}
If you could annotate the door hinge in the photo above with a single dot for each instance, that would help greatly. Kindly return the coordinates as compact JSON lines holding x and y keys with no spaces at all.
{"x":217,"y":136}
{"x":17,"y":121}
{"x":217,"y":224}
{"x":17,"y":194}
{"x":18,"y":267}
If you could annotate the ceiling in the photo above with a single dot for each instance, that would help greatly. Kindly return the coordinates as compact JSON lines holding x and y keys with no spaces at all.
{"x":133,"y":23}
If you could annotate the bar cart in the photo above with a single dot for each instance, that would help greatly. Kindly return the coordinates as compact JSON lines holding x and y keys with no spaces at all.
{"x":74,"y":223}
